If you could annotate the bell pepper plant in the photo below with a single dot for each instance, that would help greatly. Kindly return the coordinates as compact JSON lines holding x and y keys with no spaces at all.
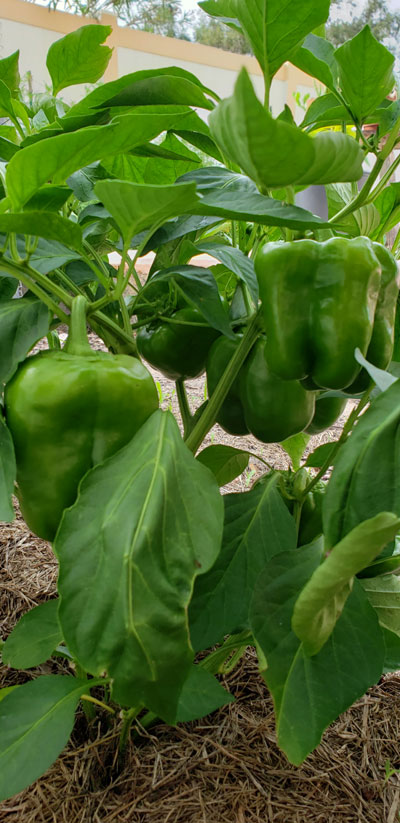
{"x":298,"y":314}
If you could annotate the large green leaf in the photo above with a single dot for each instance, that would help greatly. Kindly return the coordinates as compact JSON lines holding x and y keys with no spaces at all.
{"x":275,"y":153}
{"x":153,"y":164}
{"x":9,"y":72}
{"x":22,"y":323}
{"x":322,"y":600}
{"x":36,"y":721}
{"x":136,"y":207}
{"x":43,"y":224}
{"x":145,"y":524}
{"x":257,"y":527}
{"x":365,"y":72}
{"x":316,"y":56}
{"x":310,"y":692}
{"x":98,"y":97}
{"x":362,"y":222}
{"x":201,"y":694}
{"x":34,"y":638}
{"x":275,"y":30}
{"x":246,"y":205}
{"x":159,"y":89}
{"x":58,"y":157}
{"x":8,"y":471}
{"x":384,"y":595}
{"x":79,"y":57}
{"x":48,"y":255}
{"x":366,"y":474}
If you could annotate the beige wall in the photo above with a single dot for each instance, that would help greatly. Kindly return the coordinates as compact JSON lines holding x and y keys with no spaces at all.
{"x":32,"y":29}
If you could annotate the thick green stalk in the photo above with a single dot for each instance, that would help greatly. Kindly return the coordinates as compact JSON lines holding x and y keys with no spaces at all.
{"x":77,"y":342}
{"x":207,"y":419}
{"x":184,"y":409}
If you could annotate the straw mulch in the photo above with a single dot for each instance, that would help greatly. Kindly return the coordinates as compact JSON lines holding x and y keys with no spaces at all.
{"x":225,"y":768}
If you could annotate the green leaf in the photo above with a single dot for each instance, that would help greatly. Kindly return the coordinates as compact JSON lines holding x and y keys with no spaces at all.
{"x":136,"y":207}
{"x":257,"y":526}
{"x":145,"y":524}
{"x":36,"y":721}
{"x":225,"y":462}
{"x":143,"y":79}
{"x":384,"y":595}
{"x":199,"y":286}
{"x":4,"y":692}
{"x":225,"y":10}
{"x":392,"y":656}
{"x":34,"y":638}
{"x":43,"y":224}
{"x":6,"y":101}
{"x":151,"y":167}
{"x":321,"y":601}
{"x":58,"y":157}
{"x":82,"y":182}
{"x":7,"y":149}
{"x":48,"y":255}
{"x":310,"y":692}
{"x":201,"y":695}
{"x":234,"y":260}
{"x":159,"y":89}
{"x":8,"y":286}
{"x":9,"y":72}
{"x":275,"y":30}
{"x":79,"y":57}
{"x":325,"y":111}
{"x":316,"y":56}
{"x":22,"y":323}
{"x":49,"y":198}
{"x":365,"y":72}
{"x":274,"y":153}
{"x":382,"y":379}
{"x":320,"y":455}
{"x":366,"y":476}
{"x":175,"y":229}
{"x":295,"y":447}
{"x":362,"y":222}
{"x":8,"y":471}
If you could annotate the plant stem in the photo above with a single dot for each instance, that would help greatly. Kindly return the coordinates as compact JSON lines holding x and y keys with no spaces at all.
{"x":128,"y":718}
{"x":184,"y":409}
{"x":335,"y":448}
{"x":90,"y":699}
{"x":207,"y":419}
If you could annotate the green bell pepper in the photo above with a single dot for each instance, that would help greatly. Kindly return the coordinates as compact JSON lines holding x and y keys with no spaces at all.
{"x":177,"y":346}
{"x":319,"y":302}
{"x":67,"y":411}
{"x":258,"y":402}
{"x":327,"y":411}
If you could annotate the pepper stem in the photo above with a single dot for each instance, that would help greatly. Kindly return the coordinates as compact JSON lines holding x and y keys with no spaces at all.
{"x":77,"y":342}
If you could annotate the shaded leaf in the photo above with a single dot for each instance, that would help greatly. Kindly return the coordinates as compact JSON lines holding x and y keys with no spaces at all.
{"x":310,"y":692}
{"x":234,"y":260}
{"x":201,"y":695}
{"x":22,"y":323}
{"x":136,"y":207}
{"x":295,"y":447}
{"x":37,"y":718}
{"x":200,"y":287}
{"x":34,"y":638}
{"x":49,"y":225}
{"x":257,"y":526}
{"x":225,"y":462}
{"x":316,"y":56}
{"x":9,"y":72}
{"x":384,"y":595}
{"x":8,"y":471}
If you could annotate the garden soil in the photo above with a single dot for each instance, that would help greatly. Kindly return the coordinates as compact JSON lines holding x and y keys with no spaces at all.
{"x":225,"y":768}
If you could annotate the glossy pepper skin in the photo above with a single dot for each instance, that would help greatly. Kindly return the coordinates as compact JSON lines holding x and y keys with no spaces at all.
{"x":274,"y":409}
{"x":177,"y":349}
{"x":380,"y":349}
{"x":259,"y":403}
{"x":319,"y":302}
{"x":67,"y":411}
{"x":327,"y":411}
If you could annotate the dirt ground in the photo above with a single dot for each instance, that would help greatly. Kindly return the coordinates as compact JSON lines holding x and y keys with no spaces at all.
{"x":225,"y":768}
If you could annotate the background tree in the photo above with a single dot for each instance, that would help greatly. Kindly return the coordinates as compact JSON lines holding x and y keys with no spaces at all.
{"x":164,"y":17}
{"x":211,"y":32}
